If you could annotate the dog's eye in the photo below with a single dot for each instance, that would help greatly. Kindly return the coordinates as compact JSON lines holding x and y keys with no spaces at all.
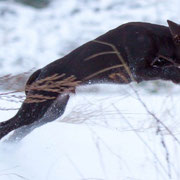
{"x":177,"y":39}
{"x":161,"y":62}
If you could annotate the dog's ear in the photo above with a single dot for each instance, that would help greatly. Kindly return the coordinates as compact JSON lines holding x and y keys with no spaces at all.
{"x":175,"y":31}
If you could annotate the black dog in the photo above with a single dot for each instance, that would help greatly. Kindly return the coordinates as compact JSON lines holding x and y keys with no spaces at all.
{"x":132,"y":52}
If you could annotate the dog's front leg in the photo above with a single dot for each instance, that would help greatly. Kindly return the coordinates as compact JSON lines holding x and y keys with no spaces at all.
{"x":155,"y":73}
{"x":171,"y":73}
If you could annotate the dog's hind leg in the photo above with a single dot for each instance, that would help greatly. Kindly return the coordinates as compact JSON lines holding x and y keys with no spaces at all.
{"x":24,"y":121}
{"x":53,"y":112}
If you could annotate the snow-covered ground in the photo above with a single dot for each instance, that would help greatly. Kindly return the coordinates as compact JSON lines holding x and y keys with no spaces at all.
{"x":101,"y":136}
{"x":31,"y":38}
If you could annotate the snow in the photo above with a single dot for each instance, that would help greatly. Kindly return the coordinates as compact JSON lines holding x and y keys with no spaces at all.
{"x":34,"y":38}
{"x":105,"y":135}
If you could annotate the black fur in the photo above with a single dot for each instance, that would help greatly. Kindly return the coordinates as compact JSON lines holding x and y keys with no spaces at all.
{"x":131,"y":52}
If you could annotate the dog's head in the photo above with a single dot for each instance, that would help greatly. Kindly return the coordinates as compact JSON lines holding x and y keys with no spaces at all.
{"x":170,"y":65}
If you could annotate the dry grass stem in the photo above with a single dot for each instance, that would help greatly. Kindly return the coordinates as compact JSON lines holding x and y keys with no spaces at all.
{"x":119,"y":57}
{"x":55,"y":83}
{"x":99,"y":54}
{"x":102,"y":71}
{"x":14,"y":82}
{"x":116,"y":76}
